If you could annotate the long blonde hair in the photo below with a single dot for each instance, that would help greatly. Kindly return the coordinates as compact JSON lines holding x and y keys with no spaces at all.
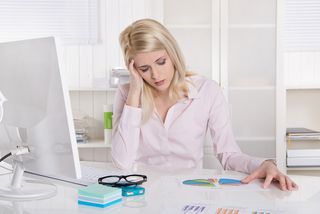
{"x":147,"y":35}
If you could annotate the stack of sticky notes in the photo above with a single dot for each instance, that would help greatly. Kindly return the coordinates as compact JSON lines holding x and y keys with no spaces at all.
{"x":98,"y":195}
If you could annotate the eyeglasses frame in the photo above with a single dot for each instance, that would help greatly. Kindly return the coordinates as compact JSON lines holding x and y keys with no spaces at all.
{"x":116,"y":184}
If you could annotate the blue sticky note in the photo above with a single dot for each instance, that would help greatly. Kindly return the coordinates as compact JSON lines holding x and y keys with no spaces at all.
{"x":99,"y":191}
{"x":93,"y":204}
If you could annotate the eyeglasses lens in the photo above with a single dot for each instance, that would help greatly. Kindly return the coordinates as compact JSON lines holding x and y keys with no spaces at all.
{"x":111,"y":180}
{"x":134,"y":179}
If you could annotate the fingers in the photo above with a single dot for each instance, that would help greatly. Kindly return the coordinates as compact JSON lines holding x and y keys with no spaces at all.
{"x":295,"y":186}
{"x":133,"y":71}
{"x":290,"y":184}
{"x":249,"y":178}
{"x":131,"y":66}
{"x":280,"y":178}
{"x":267,"y":181}
{"x":282,"y":182}
{"x":285,"y":182}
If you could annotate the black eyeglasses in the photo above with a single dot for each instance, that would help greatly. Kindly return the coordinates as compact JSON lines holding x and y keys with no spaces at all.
{"x":122,"y":180}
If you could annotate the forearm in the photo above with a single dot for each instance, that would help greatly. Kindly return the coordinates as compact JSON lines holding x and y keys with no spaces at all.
{"x":240,"y":162}
{"x":126,"y":137}
{"x":133,"y":98}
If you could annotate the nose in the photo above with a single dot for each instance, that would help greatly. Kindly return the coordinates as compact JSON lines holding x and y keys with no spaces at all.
{"x":155,"y":74}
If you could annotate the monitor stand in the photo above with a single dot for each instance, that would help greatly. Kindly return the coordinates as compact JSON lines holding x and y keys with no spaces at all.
{"x":21,"y":189}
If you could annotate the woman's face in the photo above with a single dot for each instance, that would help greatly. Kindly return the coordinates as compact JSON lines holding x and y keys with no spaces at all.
{"x":155,"y":68}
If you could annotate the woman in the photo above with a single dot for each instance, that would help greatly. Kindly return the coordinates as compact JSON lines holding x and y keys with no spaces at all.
{"x":161,"y":117}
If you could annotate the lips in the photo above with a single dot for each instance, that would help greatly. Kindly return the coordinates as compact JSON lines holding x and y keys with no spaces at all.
{"x":159,"y":83}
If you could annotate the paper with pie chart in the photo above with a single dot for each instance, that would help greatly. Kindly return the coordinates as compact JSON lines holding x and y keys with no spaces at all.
{"x":213,"y":182}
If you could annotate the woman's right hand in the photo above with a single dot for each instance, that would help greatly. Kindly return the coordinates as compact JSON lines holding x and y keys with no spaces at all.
{"x":136,"y":85}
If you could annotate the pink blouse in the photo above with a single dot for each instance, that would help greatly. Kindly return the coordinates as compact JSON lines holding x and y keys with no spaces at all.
{"x":178,"y":142}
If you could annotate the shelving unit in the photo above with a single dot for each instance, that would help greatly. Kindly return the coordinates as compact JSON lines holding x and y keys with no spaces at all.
{"x":238,"y":40}
{"x":303,"y":111}
{"x":90,"y":102}
{"x":188,"y":26}
{"x":298,"y":72}
{"x":102,"y":89}
{"x":249,"y":72}
{"x":96,"y":143}
{"x":195,"y":20}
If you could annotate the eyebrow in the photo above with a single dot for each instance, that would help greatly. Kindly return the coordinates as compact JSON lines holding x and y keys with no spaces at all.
{"x":160,"y":58}
{"x":142,"y":66}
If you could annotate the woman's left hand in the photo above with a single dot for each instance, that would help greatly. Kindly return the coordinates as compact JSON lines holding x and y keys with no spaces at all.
{"x":270,"y":172}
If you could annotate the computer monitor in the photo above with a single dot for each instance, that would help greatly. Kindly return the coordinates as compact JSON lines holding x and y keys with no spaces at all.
{"x":36,"y":111}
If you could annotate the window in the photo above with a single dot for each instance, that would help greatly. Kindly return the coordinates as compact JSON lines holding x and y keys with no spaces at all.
{"x":302,"y":25}
{"x":301,"y":43}
{"x":73,"y":21}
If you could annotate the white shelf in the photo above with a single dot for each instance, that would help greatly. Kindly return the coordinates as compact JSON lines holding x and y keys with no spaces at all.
{"x":94,"y":144}
{"x":188,"y":26}
{"x":234,"y":26}
{"x":255,"y":138}
{"x":252,"y":87}
{"x":299,"y":87}
{"x":92,"y":89}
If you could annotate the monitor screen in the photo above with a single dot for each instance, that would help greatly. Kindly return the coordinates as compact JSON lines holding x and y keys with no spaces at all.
{"x":36,"y":108}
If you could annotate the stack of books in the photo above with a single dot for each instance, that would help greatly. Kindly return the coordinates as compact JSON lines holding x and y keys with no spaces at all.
{"x":81,"y":135}
{"x":81,"y":129}
{"x":98,"y":195}
{"x":303,"y":147}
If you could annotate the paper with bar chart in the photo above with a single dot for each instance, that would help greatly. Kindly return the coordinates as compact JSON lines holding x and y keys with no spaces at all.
{"x":209,"y":207}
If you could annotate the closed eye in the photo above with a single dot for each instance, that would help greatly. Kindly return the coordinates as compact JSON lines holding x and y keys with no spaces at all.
{"x":161,"y":62}
{"x":144,"y":68}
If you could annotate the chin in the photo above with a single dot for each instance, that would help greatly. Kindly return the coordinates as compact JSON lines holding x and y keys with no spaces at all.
{"x":162,"y":87}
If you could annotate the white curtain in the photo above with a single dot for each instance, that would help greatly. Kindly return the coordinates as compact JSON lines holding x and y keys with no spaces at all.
{"x":302,"y":25}
{"x":73,"y":21}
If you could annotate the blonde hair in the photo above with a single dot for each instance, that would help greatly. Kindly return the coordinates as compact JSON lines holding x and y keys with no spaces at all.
{"x":147,"y":35}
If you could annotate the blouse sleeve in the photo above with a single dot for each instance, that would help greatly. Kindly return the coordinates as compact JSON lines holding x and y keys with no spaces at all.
{"x":227,"y":150}
{"x":126,"y":131}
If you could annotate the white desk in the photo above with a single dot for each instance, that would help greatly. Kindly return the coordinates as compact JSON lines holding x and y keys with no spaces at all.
{"x":165,"y":194}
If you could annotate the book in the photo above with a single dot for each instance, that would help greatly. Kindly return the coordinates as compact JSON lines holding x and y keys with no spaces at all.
{"x":300,"y":133}
{"x":297,"y":138}
{"x":304,"y":149}
{"x":303,"y":161}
